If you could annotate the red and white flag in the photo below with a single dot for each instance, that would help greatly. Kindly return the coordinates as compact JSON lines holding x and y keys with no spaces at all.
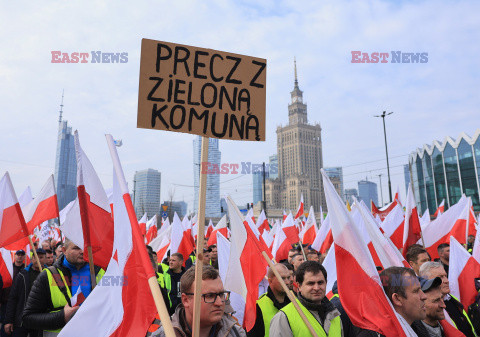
{"x":411,"y":228}
{"x":6,"y":267}
{"x":300,"y":208}
{"x":463,"y":269}
{"x":90,"y":214}
{"x":284,"y":238}
{"x":182,"y":240}
{"x":44,"y":207}
{"x":142,"y":223}
{"x":262,"y":223}
{"x":122,"y":305}
{"x":322,"y":234}
{"x":151,"y":229}
{"x":209,"y":229}
{"x":440,"y":209}
{"x":222,"y":228}
{"x":246,"y":267}
{"x":454,"y":222}
{"x":12,"y":222}
{"x":359,"y":285}
{"x":161,"y":243}
{"x":309,"y":232}
{"x":25,"y":198}
{"x":392,"y":226}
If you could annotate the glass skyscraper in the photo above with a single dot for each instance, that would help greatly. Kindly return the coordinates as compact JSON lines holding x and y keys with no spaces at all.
{"x":446,"y":170}
{"x":367,"y":191}
{"x":212,"y":204}
{"x":336,"y":173}
{"x":65,"y":164}
{"x":258,"y":184}
{"x":146,"y":192}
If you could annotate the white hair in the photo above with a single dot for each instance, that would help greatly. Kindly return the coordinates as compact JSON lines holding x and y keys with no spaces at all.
{"x":427,"y":267}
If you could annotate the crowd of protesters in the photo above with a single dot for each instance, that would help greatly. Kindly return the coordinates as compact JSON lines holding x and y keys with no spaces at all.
{"x":39,"y":301}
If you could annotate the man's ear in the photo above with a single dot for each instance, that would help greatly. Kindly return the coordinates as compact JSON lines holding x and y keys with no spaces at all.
{"x":397,"y":300}
{"x":185,"y":300}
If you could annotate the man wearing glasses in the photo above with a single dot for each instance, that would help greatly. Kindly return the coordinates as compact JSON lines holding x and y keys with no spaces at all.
{"x":213,"y":319}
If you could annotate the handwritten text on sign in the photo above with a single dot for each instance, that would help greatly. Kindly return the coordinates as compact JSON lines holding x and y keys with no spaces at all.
{"x":201,"y":91}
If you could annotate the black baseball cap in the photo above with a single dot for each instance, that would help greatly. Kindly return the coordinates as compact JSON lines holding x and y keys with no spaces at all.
{"x":428,"y":285}
{"x":41,"y":251}
{"x":20,"y":252}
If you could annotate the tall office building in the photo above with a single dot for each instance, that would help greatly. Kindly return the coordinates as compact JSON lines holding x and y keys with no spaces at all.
{"x":299,"y":150}
{"x":336,"y":177}
{"x":179,"y":207}
{"x":273,"y":166}
{"x":212,"y":204}
{"x":258,"y":185}
{"x":367,"y":191}
{"x":65,"y":163}
{"x":146,"y":191}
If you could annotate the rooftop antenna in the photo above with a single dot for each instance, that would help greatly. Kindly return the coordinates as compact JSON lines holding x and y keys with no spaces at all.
{"x":295,"y":66}
{"x":61,"y":109}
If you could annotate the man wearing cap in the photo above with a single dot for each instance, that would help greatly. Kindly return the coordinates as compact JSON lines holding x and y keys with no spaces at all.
{"x":434,"y":305}
{"x":18,"y":297}
{"x":454,"y":308}
{"x":271,"y":302}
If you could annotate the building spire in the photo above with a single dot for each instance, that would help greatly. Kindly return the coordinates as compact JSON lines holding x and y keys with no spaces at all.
{"x":295,"y":67}
{"x":61,"y":109}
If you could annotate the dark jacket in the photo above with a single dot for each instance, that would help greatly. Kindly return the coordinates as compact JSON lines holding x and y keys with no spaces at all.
{"x":37,"y":313}
{"x":455,"y":311}
{"x":258,"y":329}
{"x":421,"y":330}
{"x":18,"y":297}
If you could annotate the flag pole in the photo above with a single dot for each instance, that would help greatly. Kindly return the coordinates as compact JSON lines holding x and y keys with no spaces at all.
{"x":303,"y":251}
{"x":202,"y":195}
{"x":25,"y":230}
{"x":290,"y":295}
{"x":34,"y":253}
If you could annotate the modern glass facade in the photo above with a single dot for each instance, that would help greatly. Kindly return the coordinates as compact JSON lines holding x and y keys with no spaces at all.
{"x":65,"y":166}
{"x":336,"y":172}
{"x":258,"y":185}
{"x":146,"y":191}
{"x":445,"y":171}
{"x":212,"y":204}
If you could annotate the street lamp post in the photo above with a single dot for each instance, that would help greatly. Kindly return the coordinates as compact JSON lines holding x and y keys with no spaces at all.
{"x":386,"y":151}
{"x":381,"y":190}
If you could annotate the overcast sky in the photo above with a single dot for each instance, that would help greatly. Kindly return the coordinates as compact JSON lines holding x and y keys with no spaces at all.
{"x":430,"y":100}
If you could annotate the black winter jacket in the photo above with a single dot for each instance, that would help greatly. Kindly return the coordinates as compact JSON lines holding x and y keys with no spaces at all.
{"x":37,"y":313}
{"x":18,"y":297}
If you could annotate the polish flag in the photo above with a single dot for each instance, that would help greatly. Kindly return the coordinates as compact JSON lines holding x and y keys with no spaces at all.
{"x":382,"y":250}
{"x":246,"y":267}
{"x":181,"y":241}
{"x":327,"y":243}
{"x":454,"y":222}
{"x":44,"y":207}
{"x":411,"y":228}
{"x":262,"y":223}
{"x":161,"y":243}
{"x":12,"y":222}
{"x":359,"y":285}
{"x":284,"y":217}
{"x":151,"y":227}
{"x":300,"y":208}
{"x":142,"y":223}
{"x":322,"y":234}
{"x":383,"y":212}
{"x":78,"y":298}
{"x":94,"y":208}
{"x":209,"y":229}
{"x":262,"y":244}
{"x":392,"y":226}
{"x":440,"y":209}
{"x":331,"y":267}
{"x":284,"y":238}
{"x":463,"y":269}
{"x":6,"y":267}
{"x":165,"y":226}
{"x":126,"y":306}
{"x":309,"y":232}
{"x":221,"y":227}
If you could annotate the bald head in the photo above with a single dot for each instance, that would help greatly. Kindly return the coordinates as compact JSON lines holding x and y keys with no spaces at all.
{"x":279,"y":267}
{"x":274,"y":283}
